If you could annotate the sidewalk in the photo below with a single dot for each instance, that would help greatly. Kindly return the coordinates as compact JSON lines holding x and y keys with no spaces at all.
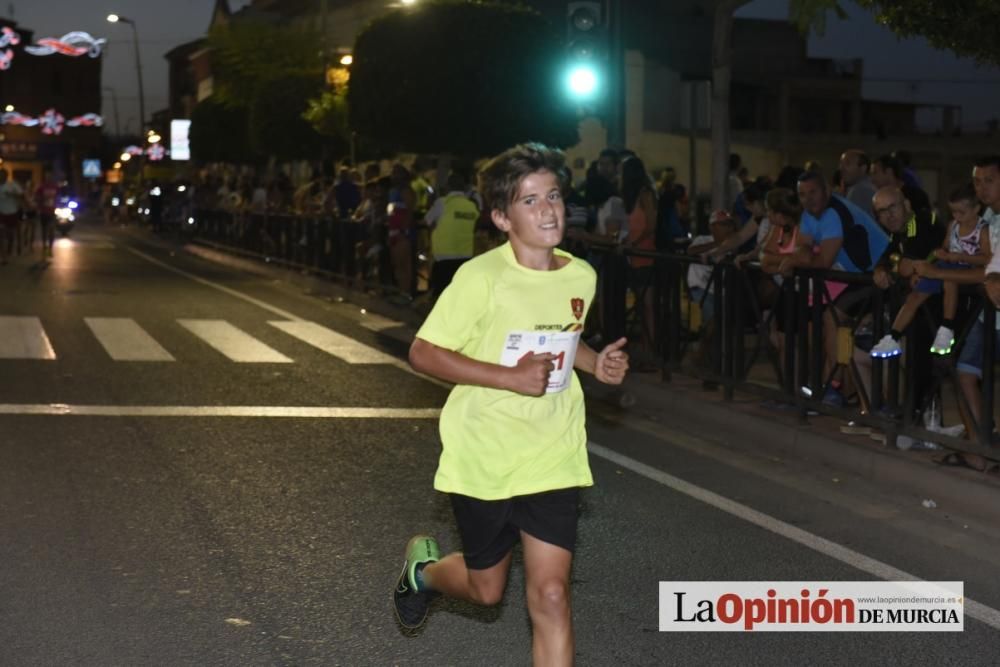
{"x":741,"y":424}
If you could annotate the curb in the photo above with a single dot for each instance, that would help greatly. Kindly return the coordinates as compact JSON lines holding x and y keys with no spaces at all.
{"x":734,"y":425}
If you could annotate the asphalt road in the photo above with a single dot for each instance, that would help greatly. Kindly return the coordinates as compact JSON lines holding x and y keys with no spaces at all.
{"x":189,"y":511}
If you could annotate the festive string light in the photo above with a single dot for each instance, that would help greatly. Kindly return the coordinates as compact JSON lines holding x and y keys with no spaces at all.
{"x":51,"y":122}
{"x":71,"y":44}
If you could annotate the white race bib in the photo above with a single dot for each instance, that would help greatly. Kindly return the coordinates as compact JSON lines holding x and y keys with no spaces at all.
{"x":563,"y":344}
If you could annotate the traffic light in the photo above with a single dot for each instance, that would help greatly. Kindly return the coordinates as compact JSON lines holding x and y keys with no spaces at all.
{"x":586,"y":41}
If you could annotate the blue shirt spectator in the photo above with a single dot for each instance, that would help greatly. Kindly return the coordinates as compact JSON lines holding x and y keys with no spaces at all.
{"x":864,"y":241}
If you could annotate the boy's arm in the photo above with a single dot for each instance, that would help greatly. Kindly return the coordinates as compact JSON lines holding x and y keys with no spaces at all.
{"x":985,"y":254}
{"x":609,"y":366}
{"x":530,"y":377}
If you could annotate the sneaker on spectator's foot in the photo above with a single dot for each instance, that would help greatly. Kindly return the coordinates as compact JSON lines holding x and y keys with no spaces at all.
{"x":887,"y":347}
{"x":834,"y":398}
{"x":409,"y":599}
{"x":943,"y":341}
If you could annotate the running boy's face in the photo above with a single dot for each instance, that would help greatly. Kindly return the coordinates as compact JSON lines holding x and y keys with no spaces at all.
{"x":965,"y":212}
{"x":536,"y":218}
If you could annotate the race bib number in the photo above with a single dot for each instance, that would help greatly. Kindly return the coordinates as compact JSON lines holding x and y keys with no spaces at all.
{"x":562,"y":344}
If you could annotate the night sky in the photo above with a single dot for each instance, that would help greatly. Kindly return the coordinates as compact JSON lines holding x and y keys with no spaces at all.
{"x":164,"y":24}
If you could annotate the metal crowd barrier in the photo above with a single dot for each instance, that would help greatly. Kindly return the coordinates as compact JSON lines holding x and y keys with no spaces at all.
{"x":321,"y":244}
{"x":798,"y":378}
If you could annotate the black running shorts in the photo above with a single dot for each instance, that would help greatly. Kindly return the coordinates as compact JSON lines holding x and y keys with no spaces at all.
{"x":490,"y":528}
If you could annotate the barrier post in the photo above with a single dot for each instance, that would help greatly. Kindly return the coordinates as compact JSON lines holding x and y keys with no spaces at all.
{"x":986,"y":407}
{"x":728,"y":333}
{"x":878,"y":364}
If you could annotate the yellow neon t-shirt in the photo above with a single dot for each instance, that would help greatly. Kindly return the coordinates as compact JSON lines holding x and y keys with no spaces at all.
{"x":499,"y":444}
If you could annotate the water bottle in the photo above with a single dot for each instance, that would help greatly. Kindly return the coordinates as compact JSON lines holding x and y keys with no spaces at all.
{"x":932,"y":415}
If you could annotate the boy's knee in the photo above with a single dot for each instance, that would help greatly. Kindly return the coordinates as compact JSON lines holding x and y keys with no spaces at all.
{"x":550,"y":597}
{"x":487,"y":594}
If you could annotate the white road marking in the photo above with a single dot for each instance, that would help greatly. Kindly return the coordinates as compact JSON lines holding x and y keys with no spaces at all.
{"x":125,"y":340}
{"x":267,"y":411}
{"x":24,"y":338}
{"x":341,"y":346}
{"x":377,"y":323}
{"x":234,"y":343}
{"x":877,"y":568}
{"x":266,"y":306}
{"x":222,"y":288}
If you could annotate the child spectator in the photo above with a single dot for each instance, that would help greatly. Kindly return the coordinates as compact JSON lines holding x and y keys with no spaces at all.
{"x":965,"y":245}
{"x":506,"y":331}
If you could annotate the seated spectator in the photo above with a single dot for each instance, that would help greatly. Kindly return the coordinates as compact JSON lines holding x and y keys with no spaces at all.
{"x":846,"y":239}
{"x":965,"y":244}
{"x":722,"y":226}
{"x":753,"y":200}
{"x":784,"y":211}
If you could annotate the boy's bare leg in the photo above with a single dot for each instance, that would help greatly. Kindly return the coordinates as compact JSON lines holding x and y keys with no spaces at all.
{"x":546,"y":571}
{"x":950,"y":307}
{"x":451,"y":577}
{"x":909,"y":310}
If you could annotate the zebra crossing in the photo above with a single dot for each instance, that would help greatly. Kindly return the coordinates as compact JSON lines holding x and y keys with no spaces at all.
{"x":126,"y":340}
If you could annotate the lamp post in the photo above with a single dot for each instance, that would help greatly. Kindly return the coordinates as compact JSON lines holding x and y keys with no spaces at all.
{"x":114,"y":18}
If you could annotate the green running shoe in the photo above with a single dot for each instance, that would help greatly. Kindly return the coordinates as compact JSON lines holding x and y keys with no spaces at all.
{"x":409,"y":601}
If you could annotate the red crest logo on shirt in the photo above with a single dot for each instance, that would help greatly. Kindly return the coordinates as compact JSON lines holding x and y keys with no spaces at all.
{"x":577,"y":305}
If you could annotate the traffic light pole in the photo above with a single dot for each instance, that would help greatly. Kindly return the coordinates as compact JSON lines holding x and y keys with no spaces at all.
{"x":616,"y":76}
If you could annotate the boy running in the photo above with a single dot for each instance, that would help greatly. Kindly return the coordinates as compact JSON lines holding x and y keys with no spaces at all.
{"x":506,"y":331}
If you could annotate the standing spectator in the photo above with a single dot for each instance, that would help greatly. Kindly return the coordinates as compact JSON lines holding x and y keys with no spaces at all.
{"x":854,"y":166}
{"x":887,"y":171}
{"x":640,"y":206}
{"x":668,"y":221}
{"x":346,"y":194}
{"x":452,"y":221}
{"x":400,"y":227}
{"x":258,"y":197}
{"x":46,"y":197}
{"x":11,"y":202}
{"x":735,"y":183}
{"x":909,"y":175}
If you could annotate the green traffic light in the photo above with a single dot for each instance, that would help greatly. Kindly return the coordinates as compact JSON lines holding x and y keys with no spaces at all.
{"x":582,"y":81}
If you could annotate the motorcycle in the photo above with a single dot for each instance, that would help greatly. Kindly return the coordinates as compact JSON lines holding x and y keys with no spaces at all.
{"x":65,"y":215}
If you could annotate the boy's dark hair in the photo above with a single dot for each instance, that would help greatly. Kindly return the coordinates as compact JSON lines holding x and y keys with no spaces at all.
{"x":966,"y":193}
{"x":888,"y":162}
{"x":989,"y":161}
{"x":500,"y":178}
{"x":785,"y":202}
{"x":735,"y":161}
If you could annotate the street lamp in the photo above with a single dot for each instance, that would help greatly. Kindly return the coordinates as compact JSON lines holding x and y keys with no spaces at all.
{"x":115,"y":18}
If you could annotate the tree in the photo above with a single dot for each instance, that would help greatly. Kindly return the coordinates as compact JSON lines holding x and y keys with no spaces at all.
{"x":247,"y":55}
{"x":276,"y":118}
{"x":219,"y":133}
{"x":459,"y":77}
{"x":969,"y":28}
